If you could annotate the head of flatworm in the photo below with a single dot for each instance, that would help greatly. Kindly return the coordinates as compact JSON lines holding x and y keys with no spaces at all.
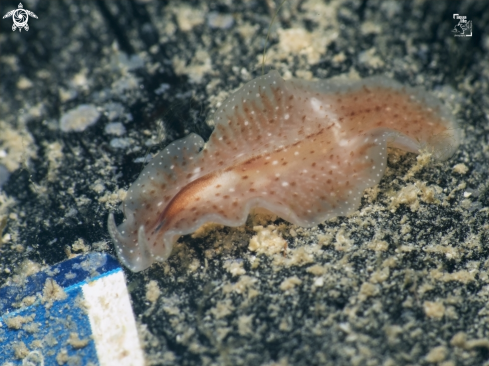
{"x":140,"y":239}
{"x":305,"y":150}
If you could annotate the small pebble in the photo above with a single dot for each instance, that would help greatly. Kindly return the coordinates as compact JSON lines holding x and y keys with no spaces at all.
{"x":218,"y":20}
{"x":120,"y":143}
{"x":115,"y":128}
{"x":79,"y":118}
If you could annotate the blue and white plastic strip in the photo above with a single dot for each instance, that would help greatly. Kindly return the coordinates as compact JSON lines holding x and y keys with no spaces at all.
{"x":75,"y":312}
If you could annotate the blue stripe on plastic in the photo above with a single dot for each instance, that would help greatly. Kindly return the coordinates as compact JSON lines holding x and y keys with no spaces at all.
{"x":67,"y":273}
{"x":46,"y":336}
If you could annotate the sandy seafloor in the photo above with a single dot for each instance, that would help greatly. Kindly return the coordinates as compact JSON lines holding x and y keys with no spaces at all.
{"x":403,"y":281}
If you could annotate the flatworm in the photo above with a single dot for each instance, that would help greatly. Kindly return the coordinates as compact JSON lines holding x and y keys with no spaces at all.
{"x":304,"y":150}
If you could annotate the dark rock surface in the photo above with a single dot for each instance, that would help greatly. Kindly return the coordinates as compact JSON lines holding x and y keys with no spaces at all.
{"x":404,"y":281}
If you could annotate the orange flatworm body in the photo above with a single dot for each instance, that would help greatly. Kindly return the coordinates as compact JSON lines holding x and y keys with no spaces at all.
{"x":304,"y":150}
